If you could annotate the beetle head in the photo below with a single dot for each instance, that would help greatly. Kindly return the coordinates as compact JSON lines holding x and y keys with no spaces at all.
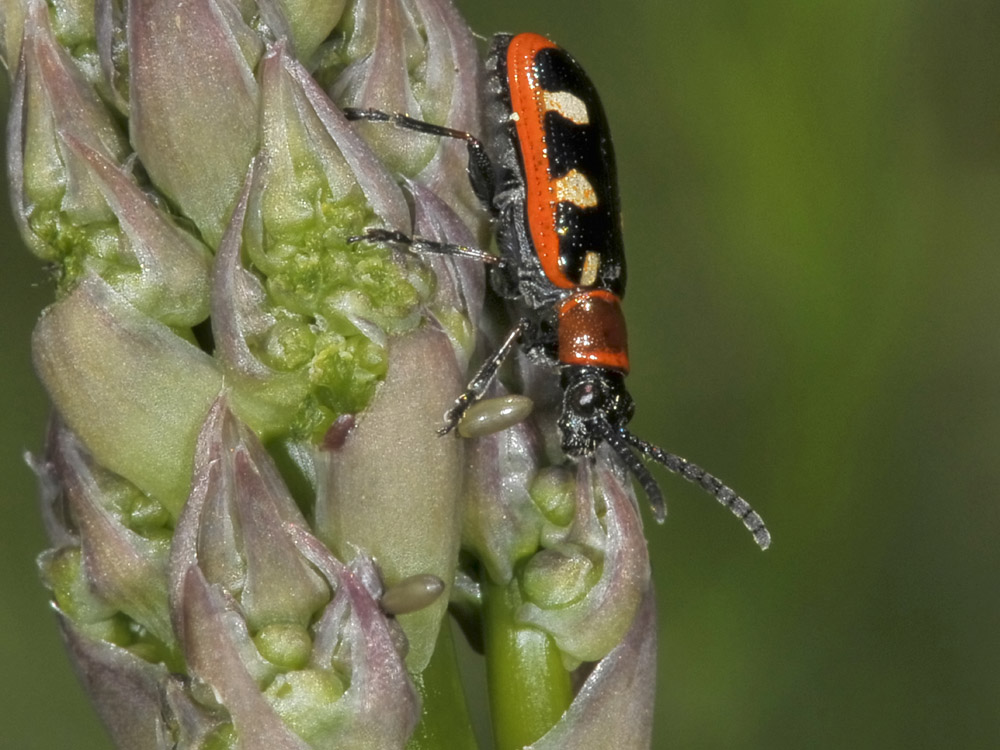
{"x":594,"y":400}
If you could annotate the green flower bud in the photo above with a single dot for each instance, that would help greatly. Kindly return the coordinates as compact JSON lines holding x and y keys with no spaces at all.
{"x":63,"y":573}
{"x":387,"y":466}
{"x":232,"y":528}
{"x":58,"y":205}
{"x":614,"y":706}
{"x":295,"y":697}
{"x":130,"y":388}
{"x":194,"y":133}
{"x":128,"y":691}
{"x":123,"y":568}
{"x":12,"y":16}
{"x":591,"y":625}
{"x":284,"y":644}
{"x":212,"y":645}
{"x":553,"y":579}
{"x":74,"y":28}
{"x":305,"y":24}
{"x":553,"y":493}
{"x":157,"y":266}
{"x":421,"y":61}
{"x":380,"y":708}
{"x":502,"y":525}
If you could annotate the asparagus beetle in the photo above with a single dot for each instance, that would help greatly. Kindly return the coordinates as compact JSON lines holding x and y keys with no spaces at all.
{"x":546,"y":173}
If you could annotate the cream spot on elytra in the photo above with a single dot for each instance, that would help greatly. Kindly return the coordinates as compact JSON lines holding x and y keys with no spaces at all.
{"x":566,"y":104}
{"x":574,"y":188}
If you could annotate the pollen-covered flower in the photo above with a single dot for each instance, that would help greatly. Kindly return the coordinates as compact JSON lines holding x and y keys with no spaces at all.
{"x":258,"y":540}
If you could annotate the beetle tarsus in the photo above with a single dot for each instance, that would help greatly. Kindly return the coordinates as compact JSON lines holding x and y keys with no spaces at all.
{"x":484,"y":376}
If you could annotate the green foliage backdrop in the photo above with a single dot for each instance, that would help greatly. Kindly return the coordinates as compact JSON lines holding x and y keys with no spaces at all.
{"x":811,"y":202}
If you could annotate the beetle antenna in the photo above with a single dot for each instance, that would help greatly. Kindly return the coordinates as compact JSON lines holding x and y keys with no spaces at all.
{"x":632,"y":462}
{"x":697,"y":475}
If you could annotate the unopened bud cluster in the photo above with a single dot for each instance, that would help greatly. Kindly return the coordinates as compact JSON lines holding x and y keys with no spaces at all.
{"x":256,"y":532}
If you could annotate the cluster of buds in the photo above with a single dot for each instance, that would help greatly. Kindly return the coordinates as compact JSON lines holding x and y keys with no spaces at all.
{"x":258,"y":540}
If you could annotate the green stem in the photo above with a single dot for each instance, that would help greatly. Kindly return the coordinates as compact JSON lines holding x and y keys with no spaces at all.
{"x":529,"y":688}
{"x":445,"y":719}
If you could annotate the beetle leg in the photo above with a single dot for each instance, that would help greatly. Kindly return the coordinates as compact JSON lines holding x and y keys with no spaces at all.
{"x":476,"y":388}
{"x":410,"y":123}
{"x":420,"y":245}
{"x":480,"y":167}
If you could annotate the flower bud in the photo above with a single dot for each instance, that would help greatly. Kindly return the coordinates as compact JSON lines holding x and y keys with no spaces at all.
{"x":461,"y":282}
{"x":306,"y":334}
{"x":74,"y":28}
{"x":125,"y":689}
{"x":194,"y":132}
{"x":215,"y":646}
{"x":305,"y":24}
{"x":589,"y":626}
{"x":158,"y":267}
{"x":614,"y":706}
{"x":502,"y":524}
{"x":421,"y":61}
{"x":124,"y":568}
{"x":310,"y":154}
{"x":380,"y":708}
{"x":451,"y":97}
{"x":554,"y":578}
{"x":381,"y":43}
{"x":251,"y":601}
{"x":57,"y":204}
{"x":241,"y":317}
{"x":12,"y":13}
{"x":232,"y":528}
{"x":393,"y":488}
{"x":132,"y":390}
{"x":554,"y":493}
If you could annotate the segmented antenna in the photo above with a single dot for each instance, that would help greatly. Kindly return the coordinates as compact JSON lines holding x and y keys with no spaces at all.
{"x":623,"y":440}
{"x":632,"y":462}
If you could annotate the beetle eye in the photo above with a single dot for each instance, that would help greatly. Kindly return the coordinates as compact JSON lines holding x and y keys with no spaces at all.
{"x":587,"y":398}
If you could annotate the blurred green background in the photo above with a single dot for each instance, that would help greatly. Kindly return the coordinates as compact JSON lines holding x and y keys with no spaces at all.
{"x":812,"y":207}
